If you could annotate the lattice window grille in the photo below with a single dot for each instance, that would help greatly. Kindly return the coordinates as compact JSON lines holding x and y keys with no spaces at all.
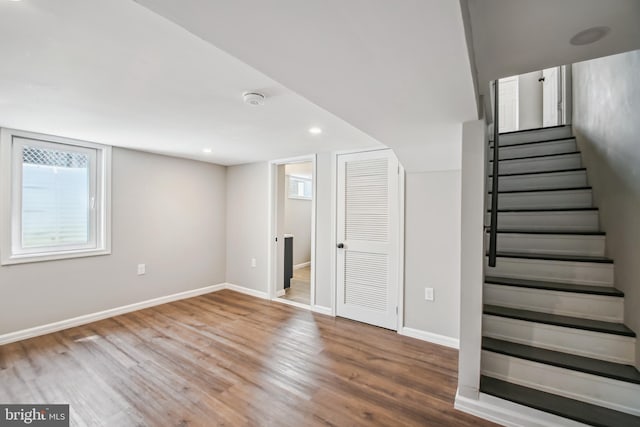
{"x":44,"y":156}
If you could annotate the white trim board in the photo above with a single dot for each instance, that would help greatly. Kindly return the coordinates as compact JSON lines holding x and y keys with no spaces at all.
{"x":105,"y":314}
{"x":430,"y":337}
{"x":246,"y":291}
{"x":510,"y":414}
{"x":323,"y":310}
{"x":302,"y":265}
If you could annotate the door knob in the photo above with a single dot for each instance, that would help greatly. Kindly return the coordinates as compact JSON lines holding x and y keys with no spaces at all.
{"x":340,"y":245}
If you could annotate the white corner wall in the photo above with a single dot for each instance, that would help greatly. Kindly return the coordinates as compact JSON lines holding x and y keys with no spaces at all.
{"x":247,"y":207}
{"x":167,"y":213}
{"x":325,"y":209}
{"x":473,"y":179}
{"x":606,"y":112}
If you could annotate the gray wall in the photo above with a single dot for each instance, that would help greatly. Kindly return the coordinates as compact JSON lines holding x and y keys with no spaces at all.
{"x":432,"y":251}
{"x":606,"y":103}
{"x":247,"y":225}
{"x":530,"y":100}
{"x":297,"y":221}
{"x":168,"y":213}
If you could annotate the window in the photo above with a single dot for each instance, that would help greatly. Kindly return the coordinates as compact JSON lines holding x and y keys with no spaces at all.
{"x":55,"y":197}
{"x":300,"y":188}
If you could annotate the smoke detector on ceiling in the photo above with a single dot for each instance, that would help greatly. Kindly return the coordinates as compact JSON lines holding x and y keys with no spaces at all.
{"x":253,"y":98}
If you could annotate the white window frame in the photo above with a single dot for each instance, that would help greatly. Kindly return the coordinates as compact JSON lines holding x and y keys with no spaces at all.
{"x":12,"y":143}
{"x":299,"y":178}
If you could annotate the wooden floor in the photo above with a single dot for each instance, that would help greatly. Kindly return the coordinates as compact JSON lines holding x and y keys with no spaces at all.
{"x":234,"y":360}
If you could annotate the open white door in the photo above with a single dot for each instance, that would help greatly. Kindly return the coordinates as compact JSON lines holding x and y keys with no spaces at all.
{"x":368,"y":237}
{"x":509,"y":104}
{"x":551,"y":96}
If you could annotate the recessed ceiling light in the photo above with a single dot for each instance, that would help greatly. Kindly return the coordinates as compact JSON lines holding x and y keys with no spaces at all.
{"x":207,"y":150}
{"x":590,"y":35}
{"x":315,"y":130}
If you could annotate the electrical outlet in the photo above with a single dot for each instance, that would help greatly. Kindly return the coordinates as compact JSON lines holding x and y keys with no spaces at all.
{"x":142,"y":269}
{"x":428,"y":294}
{"x":253,"y":262}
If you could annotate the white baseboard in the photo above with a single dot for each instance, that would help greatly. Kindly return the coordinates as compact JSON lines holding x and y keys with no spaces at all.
{"x":430,"y":337}
{"x":302,"y":265}
{"x":100,"y":315}
{"x":281,"y":293}
{"x":510,"y":414}
{"x":322,"y":310}
{"x":247,"y":291}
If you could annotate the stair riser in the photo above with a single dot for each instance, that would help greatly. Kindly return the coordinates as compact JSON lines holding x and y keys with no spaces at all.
{"x":609,"y":347}
{"x":550,"y":244}
{"x":535,"y":135}
{"x":538,"y":164}
{"x":542,"y":181}
{"x":545,"y":200}
{"x":596,"y":307}
{"x":557,"y":221}
{"x":581,"y":273}
{"x":542,"y":149}
{"x":618,"y":395}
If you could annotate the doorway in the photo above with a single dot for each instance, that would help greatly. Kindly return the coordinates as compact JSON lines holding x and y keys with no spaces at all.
{"x":293,"y":225}
{"x":535,"y":100}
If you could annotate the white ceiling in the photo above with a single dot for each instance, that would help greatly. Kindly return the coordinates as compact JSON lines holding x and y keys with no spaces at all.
{"x":365,"y":71}
{"x":518,"y":36}
{"x":397,"y":70}
{"x":116,"y":73}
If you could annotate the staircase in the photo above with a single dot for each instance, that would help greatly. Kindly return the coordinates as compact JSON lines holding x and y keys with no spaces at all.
{"x":553,"y":332}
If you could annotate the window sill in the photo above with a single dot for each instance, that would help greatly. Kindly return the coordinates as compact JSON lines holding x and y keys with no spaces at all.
{"x":53,"y":256}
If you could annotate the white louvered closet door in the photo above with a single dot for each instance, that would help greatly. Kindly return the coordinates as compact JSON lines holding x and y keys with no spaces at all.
{"x":368,"y":230}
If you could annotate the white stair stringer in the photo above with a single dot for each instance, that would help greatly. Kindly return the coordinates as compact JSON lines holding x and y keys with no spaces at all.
{"x":559,"y":244}
{"x":586,"y":220}
{"x":539,"y":164}
{"x":535,"y":135}
{"x":539,"y":181}
{"x":556,"y":199}
{"x":597,"y":345}
{"x":602,"y":391}
{"x":567,"y":145}
{"x":587,"y":306}
{"x":576,"y":272}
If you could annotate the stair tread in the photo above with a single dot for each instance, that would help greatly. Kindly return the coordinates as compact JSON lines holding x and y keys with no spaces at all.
{"x":571,"y":153}
{"x":562,"y":406}
{"x":558,"y":320}
{"x":542,"y":141}
{"x":555,"y":257}
{"x":546,"y":209}
{"x":542,"y":172}
{"x":552,"y":232}
{"x":532,"y":129}
{"x":544,"y":190}
{"x":552,"y":286}
{"x":616,"y":371}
